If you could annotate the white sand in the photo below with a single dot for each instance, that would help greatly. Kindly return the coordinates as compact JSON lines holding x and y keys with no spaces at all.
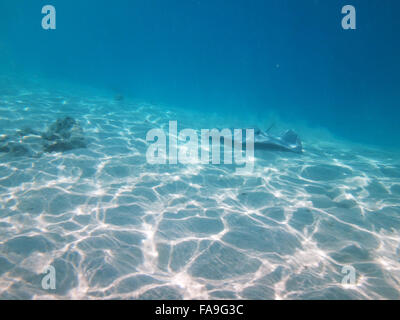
{"x":114,"y":226}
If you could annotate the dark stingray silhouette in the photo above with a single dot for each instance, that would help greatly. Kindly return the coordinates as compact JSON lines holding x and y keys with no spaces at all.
{"x":288,"y":141}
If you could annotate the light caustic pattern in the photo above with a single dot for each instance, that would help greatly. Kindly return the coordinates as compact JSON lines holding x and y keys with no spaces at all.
{"x":114,"y":226}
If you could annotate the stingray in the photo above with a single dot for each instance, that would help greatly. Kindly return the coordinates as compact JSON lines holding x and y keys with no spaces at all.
{"x":288,"y":141}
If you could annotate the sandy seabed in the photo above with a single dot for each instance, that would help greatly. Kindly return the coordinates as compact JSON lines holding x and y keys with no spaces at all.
{"x":114,"y":226}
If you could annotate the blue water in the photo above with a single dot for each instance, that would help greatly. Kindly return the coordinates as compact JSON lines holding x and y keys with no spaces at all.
{"x":210,"y":55}
{"x":115,"y":226}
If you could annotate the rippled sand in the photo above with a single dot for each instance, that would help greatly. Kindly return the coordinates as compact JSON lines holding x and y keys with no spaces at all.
{"x":114,"y":226}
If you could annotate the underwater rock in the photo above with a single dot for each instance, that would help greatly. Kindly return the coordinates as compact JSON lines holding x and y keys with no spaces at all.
{"x":14,"y":146}
{"x":16,"y":149}
{"x":28,"y":131}
{"x":65,"y":134}
{"x":119,"y":97}
{"x":3,"y":143}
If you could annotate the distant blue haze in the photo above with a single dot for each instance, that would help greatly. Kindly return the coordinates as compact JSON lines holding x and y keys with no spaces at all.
{"x":234,"y":56}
